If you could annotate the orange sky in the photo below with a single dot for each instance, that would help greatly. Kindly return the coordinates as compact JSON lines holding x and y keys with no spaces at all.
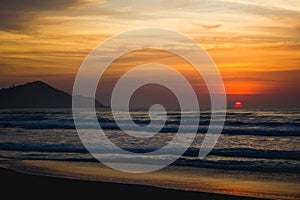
{"x":255,"y":44}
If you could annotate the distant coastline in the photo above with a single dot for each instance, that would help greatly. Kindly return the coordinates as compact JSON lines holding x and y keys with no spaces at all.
{"x":37,"y":94}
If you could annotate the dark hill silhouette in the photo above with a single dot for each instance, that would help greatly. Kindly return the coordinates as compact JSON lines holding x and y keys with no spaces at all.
{"x":36,"y":95}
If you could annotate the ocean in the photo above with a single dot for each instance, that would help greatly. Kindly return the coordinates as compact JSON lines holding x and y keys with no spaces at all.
{"x":252,"y":139}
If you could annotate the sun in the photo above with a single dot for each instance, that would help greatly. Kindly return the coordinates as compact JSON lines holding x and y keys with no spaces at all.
{"x":238,"y":104}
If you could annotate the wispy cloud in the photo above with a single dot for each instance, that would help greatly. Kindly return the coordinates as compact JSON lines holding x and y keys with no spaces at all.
{"x":209,"y":27}
{"x":19,"y":15}
{"x":298,"y":27}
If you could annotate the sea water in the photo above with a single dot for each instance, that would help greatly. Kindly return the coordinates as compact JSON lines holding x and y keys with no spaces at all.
{"x":252,"y":139}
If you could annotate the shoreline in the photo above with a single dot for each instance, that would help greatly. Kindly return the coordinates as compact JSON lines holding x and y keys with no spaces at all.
{"x":194,"y":181}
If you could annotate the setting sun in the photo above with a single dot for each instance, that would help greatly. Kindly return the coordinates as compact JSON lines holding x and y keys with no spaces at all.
{"x":238,"y":104}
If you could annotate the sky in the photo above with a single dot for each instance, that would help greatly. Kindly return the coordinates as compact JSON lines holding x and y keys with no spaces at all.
{"x":255,"y":44}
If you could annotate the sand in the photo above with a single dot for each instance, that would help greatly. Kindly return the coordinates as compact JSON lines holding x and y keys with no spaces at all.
{"x":200,"y":183}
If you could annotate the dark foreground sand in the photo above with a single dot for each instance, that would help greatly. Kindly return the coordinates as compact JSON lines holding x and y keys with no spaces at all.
{"x":20,"y":185}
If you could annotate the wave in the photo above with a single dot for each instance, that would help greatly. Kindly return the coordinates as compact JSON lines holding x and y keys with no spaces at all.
{"x":168,"y":128}
{"x":22,"y":119}
{"x":249,"y":153}
{"x":191,"y":152}
{"x":38,"y":147}
{"x":269,"y":123}
{"x":259,"y":165}
{"x":261,"y":132}
{"x":285,"y":166}
{"x":39,"y":124}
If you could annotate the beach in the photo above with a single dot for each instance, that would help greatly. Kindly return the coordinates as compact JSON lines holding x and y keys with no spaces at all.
{"x":94,"y":178}
{"x":35,"y":187}
{"x":16,"y":184}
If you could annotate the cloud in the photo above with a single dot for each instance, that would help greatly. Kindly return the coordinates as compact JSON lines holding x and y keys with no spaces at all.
{"x":35,"y":5}
{"x":154,"y":5}
{"x":298,"y":28}
{"x":267,"y":9}
{"x":19,"y":15}
{"x":15,"y":22}
{"x":276,"y":77}
{"x":210,"y":27}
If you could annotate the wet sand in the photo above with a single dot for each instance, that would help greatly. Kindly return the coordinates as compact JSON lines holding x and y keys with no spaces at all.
{"x":78,"y":179}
